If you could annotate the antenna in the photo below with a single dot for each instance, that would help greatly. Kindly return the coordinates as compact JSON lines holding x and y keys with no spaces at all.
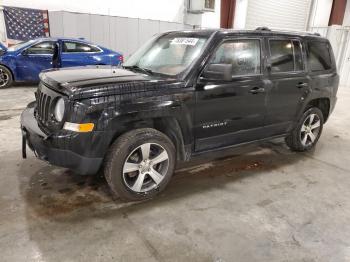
{"x":262,"y":28}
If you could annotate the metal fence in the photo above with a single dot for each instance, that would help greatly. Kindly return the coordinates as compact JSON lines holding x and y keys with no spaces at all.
{"x":118,"y":33}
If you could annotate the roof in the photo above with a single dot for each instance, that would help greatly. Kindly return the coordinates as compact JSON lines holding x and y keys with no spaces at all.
{"x":271,"y":32}
{"x":259,"y":31}
{"x":62,"y":38}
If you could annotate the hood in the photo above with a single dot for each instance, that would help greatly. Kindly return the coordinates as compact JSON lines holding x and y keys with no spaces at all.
{"x":95,"y":81}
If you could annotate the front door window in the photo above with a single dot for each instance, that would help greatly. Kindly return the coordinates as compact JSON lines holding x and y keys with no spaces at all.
{"x":244,"y":55}
{"x":42,"y":48}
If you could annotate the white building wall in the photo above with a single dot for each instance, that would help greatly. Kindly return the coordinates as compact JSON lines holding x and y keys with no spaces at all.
{"x":276,"y":14}
{"x":163,"y":10}
{"x":320,"y":13}
{"x":212,"y":19}
{"x":346,"y":21}
{"x":119,"y":24}
{"x":240,"y":14}
{"x":123,"y":34}
{"x":291,"y":14}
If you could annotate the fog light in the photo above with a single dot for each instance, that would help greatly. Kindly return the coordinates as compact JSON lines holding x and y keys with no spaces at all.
{"x":82,"y":128}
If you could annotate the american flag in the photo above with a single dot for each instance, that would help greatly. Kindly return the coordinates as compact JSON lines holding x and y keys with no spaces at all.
{"x":24,"y":23}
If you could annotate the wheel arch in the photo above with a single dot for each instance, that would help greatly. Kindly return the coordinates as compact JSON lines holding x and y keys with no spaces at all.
{"x":171,"y":128}
{"x":322,"y":103}
{"x":168,"y":125}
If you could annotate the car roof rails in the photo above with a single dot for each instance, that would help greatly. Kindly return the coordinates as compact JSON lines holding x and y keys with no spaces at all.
{"x":318,"y":34}
{"x":263,"y":28}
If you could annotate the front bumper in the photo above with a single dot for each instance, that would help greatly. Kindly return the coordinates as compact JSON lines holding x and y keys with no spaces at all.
{"x":45,"y":147}
{"x":332,"y":105}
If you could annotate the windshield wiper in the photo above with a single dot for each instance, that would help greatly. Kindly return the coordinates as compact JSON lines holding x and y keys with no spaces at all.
{"x":145,"y":70}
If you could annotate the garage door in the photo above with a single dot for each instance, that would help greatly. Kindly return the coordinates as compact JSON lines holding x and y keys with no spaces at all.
{"x":285,"y":14}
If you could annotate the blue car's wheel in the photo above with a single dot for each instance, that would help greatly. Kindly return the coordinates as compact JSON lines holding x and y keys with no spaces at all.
{"x":6,"y":79}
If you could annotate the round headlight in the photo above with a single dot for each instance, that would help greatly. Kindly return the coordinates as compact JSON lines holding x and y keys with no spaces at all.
{"x":59,"y":109}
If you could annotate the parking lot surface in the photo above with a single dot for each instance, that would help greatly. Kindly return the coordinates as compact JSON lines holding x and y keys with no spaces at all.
{"x":263,"y":203}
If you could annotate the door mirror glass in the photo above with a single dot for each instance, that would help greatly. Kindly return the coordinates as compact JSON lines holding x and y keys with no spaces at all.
{"x":218,"y":72}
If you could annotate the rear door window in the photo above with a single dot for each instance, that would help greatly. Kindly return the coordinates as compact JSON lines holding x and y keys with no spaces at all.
{"x":298,"y":56}
{"x":318,"y":56}
{"x":76,"y":47}
{"x":286,"y":56}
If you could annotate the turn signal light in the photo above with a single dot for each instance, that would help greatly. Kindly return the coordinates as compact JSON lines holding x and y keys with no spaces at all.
{"x":81,"y":128}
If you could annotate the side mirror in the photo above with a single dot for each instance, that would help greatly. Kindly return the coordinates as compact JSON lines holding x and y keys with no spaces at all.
{"x":218,"y":72}
{"x":25,"y":52}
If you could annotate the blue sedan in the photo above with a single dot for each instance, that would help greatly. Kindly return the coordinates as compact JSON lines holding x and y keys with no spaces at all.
{"x":23,"y":62}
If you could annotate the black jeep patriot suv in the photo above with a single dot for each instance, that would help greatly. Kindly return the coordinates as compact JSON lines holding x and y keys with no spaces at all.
{"x":182,"y":93}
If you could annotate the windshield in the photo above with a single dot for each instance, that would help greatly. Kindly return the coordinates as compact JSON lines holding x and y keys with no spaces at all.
{"x":20,"y":45}
{"x":168,"y":54}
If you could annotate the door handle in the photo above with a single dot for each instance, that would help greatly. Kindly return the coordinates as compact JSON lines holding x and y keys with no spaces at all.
{"x":257,"y":90}
{"x":302,"y":84}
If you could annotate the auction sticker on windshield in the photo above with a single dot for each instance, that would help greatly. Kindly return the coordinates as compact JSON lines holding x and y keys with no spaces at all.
{"x":184,"y":41}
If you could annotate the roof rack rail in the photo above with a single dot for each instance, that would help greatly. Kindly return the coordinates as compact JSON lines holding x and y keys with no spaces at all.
{"x":263,"y":28}
{"x":318,"y":34}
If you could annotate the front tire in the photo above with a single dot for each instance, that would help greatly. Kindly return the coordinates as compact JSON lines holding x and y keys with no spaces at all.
{"x":307,"y":131}
{"x":140,"y":164}
{"x":6,"y":79}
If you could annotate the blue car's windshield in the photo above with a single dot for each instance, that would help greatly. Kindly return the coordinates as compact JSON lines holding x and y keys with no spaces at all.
{"x":168,"y":54}
{"x":20,"y":45}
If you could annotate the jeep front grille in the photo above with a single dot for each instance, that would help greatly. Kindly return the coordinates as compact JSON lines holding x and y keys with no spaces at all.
{"x":45,"y":97}
{"x":43,"y":102}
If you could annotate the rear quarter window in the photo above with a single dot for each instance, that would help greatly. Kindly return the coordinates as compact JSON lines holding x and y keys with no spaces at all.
{"x":319,"y":56}
{"x":77,"y":47}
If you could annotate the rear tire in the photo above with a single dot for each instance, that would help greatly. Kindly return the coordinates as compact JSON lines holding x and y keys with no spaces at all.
{"x":6,"y":79}
{"x":140,"y":164}
{"x":307,"y":131}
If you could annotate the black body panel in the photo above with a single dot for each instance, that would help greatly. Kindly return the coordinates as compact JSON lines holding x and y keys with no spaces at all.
{"x":198,"y":114}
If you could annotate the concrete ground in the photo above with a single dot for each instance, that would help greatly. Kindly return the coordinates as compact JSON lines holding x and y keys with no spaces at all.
{"x":267,"y":204}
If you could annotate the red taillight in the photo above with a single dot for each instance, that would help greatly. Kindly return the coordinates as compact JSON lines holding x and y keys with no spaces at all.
{"x":120,"y":59}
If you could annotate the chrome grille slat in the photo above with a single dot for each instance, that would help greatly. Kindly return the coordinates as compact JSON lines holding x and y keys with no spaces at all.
{"x":41,"y":106}
{"x":44,"y":106}
{"x":38,"y":102}
{"x":47,"y":107}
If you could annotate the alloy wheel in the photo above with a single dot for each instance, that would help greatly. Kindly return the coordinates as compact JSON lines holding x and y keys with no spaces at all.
{"x":310,"y":130}
{"x":145,"y":168}
{"x":4,"y":78}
